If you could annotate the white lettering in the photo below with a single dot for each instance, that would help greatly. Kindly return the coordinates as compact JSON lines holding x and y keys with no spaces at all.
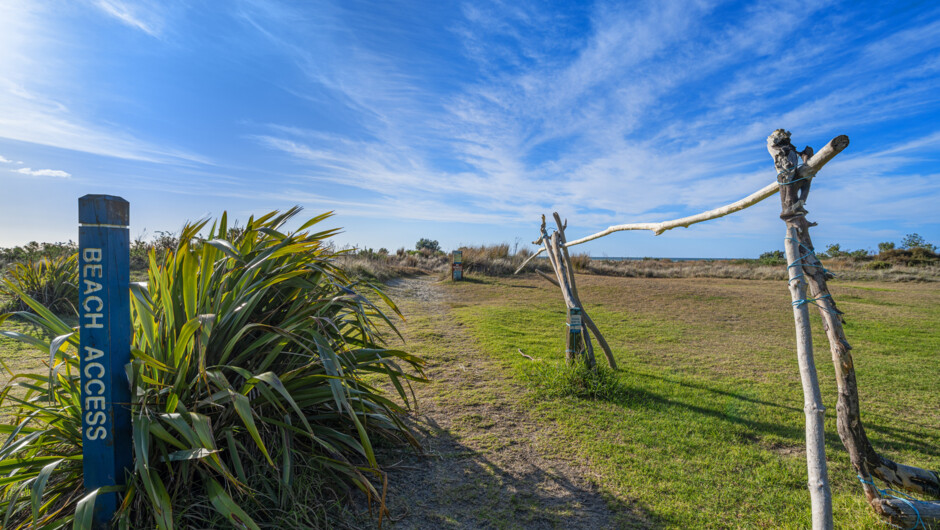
{"x":96,"y":433}
{"x":94,"y":403}
{"x":88,"y":391}
{"x":91,"y":287}
{"x":92,"y":254}
{"x":95,"y":418}
{"x":93,"y":353}
{"x":94,"y":320}
{"x":93,"y":300}
{"x":93,"y":269}
{"x":97,"y":366}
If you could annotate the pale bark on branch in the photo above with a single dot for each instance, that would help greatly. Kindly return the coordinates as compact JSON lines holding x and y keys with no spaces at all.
{"x":818,"y":475}
{"x":806,"y":171}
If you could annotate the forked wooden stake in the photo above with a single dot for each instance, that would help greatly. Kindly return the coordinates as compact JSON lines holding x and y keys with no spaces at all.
{"x":554,"y":247}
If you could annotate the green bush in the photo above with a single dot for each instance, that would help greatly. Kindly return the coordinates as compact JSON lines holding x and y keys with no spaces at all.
{"x":53,"y":282}
{"x":774,"y":257}
{"x":878,"y":265}
{"x":255,"y":363}
{"x":431,"y":245}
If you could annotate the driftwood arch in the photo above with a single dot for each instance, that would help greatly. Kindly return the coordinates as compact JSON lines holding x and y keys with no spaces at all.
{"x":804,"y":271}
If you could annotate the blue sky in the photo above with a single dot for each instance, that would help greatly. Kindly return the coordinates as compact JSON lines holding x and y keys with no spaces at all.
{"x":463,"y":122}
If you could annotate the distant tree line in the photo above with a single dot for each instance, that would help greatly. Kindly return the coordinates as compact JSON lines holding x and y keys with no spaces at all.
{"x":913,"y":250}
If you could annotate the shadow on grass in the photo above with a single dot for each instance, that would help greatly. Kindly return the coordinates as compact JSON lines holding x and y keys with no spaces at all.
{"x":455,"y":486}
{"x":897,"y":437}
{"x":741,"y":397}
{"x":611,"y":388}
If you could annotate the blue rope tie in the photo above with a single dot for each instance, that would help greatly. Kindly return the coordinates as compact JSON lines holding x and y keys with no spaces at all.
{"x":809,"y":252}
{"x":919,"y":522}
{"x":799,"y":259}
{"x":804,"y":301}
{"x":798,"y":303}
{"x":787,"y":172}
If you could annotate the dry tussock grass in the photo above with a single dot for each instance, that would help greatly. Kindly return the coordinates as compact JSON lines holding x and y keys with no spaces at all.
{"x":497,"y":260}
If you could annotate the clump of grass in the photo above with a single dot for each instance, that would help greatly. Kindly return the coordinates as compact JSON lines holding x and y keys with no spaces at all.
{"x":383,"y":266}
{"x":581,"y":262}
{"x":52,"y":281}
{"x":491,"y":260}
{"x":552,"y":380}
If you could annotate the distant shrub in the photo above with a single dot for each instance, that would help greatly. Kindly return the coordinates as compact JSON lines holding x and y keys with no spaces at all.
{"x":877,"y":265}
{"x":835,"y":251}
{"x":34,"y":251}
{"x":885,"y":245}
{"x":915,"y":241}
{"x":916,"y":257}
{"x":428,"y":244}
{"x":774,"y":257}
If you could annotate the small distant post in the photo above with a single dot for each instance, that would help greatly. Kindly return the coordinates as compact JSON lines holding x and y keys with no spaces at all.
{"x":104,"y":347}
{"x":574,"y":341}
{"x":457,"y":267}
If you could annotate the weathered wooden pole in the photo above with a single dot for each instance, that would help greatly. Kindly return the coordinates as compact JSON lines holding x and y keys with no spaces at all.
{"x":104,"y":346}
{"x":794,"y":181}
{"x":818,"y":475}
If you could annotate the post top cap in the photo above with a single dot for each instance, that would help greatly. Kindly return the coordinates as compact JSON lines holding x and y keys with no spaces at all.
{"x":103,"y":209}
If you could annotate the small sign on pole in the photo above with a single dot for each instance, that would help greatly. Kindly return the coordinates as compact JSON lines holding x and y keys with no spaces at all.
{"x":457,"y":267}
{"x":573,"y":340}
{"x":574,"y":320}
{"x":104,"y":347}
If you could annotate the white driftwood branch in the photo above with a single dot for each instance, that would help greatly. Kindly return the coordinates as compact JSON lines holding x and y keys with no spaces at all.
{"x":819,"y":492}
{"x":808,"y":170}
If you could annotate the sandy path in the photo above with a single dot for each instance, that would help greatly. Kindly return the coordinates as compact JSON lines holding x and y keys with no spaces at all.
{"x":483,"y":467}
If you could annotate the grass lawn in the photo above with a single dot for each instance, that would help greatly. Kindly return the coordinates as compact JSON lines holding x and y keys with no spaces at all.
{"x":705,"y":427}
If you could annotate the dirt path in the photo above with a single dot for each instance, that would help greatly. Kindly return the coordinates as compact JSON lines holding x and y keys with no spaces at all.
{"x":483,"y":467}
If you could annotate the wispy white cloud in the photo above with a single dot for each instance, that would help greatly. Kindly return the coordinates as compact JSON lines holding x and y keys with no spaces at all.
{"x":4,"y":160}
{"x":37,"y":106}
{"x":43,"y":172}
{"x":142,"y":15}
{"x":652,"y":112}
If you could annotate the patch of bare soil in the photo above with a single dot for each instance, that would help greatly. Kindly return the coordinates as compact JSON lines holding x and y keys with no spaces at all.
{"x":482,"y":466}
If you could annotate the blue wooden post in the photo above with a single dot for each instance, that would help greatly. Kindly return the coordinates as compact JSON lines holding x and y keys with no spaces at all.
{"x":457,"y":267}
{"x":105,"y":347}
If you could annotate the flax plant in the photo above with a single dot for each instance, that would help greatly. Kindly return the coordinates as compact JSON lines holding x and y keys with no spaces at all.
{"x":253,"y":357}
{"x":53,"y":282}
